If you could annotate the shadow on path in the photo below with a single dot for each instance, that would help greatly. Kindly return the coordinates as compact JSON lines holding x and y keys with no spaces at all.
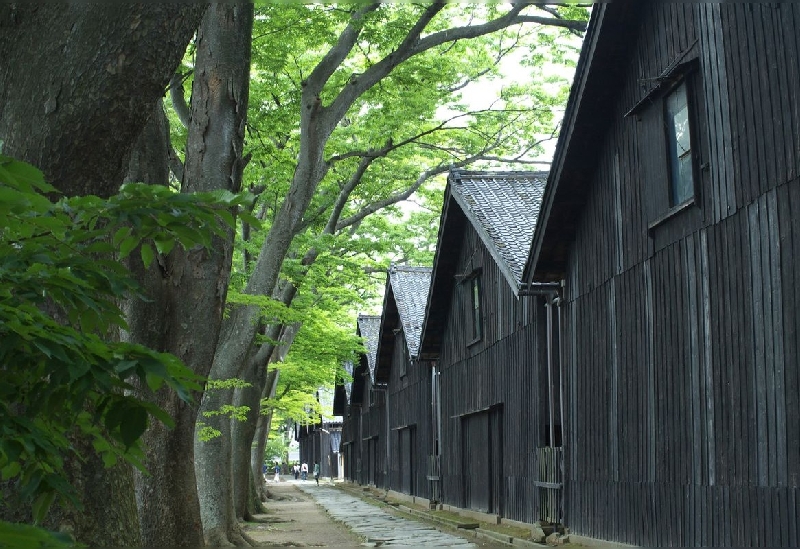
{"x":293,"y":519}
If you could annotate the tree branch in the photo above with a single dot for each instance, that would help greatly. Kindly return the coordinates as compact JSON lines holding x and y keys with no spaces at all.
{"x":413,"y":45}
{"x":377,"y":72}
{"x":178,"y":97}
{"x":569,"y":24}
{"x":394,"y":199}
{"x":339,"y":52}
{"x":555,"y":14}
{"x":175,"y":164}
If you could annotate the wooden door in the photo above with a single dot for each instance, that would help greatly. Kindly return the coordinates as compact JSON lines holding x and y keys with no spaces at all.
{"x":476,"y":463}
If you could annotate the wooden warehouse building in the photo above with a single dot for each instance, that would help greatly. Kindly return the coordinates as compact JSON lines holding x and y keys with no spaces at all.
{"x":320,"y":442}
{"x":363,"y":413}
{"x":632,"y":373}
{"x":407,"y":380}
{"x":672,"y":214}
{"x":485,"y":337}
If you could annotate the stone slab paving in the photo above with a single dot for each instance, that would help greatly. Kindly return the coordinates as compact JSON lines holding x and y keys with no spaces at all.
{"x":381,"y":529}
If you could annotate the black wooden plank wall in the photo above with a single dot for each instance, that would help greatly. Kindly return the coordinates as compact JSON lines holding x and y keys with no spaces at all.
{"x":351,"y":442}
{"x":409,"y":405}
{"x":681,"y":342}
{"x":373,"y":439}
{"x":502,"y":376}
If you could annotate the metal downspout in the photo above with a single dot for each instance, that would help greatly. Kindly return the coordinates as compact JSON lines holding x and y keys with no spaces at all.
{"x":558,"y":302}
{"x":550,"y":405}
{"x":387,"y":481}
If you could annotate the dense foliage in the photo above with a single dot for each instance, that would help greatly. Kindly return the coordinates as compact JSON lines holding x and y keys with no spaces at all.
{"x":457,"y":105}
{"x":64,"y":370}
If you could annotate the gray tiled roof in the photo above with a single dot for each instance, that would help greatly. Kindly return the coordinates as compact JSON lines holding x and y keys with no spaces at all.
{"x":410,"y":286}
{"x":369,"y":328}
{"x":503,"y":208}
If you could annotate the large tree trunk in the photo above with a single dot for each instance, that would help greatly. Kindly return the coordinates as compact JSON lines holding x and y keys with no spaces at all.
{"x":169,"y":511}
{"x":257,"y":449}
{"x":78,"y":80}
{"x":77,"y":85}
{"x":214,"y":161}
{"x":242,"y":438}
{"x":259,"y":443}
{"x":109,"y":515}
{"x":242,"y":433}
{"x":213,"y":469}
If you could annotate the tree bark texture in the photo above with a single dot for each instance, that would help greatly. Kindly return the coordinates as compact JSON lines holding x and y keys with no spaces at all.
{"x":109,"y":516}
{"x":257,"y":454}
{"x":213,"y":470}
{"x":242,"y":437}
{"x":169,"y":509}
{"x":78,"y":81}
{"x":259,"y":442}
{"x":214,"y":161}
{"x":77,"y":86}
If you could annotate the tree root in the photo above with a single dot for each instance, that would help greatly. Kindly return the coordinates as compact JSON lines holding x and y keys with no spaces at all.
{"x":217,"y":538}
{"x":241,"y":539}
{"x":255,"y":518}
{"x":236,"y":537}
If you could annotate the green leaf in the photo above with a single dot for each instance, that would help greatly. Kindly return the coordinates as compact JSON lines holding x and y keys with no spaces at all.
{"x":25,"y":536}
{"x":10,"y":471}
{"x":155,"y":382}
{"x":159,"y":414}
{"x":109,"y":459}
{"x":30,"y":482}
{"x":164,"y":245}
{"x":147,"y":255}
{"x":226,"y":216}
{"x":115,"y":414}
{"x":188,"y":236}
{"x":41,"y":505}
{"x":133,"y":425}
{"x":125,"y":367}
{"x":121,"y":234}
{"x":250,"y":219}
{"x":23,"y":176}
{"x":127,"y":246}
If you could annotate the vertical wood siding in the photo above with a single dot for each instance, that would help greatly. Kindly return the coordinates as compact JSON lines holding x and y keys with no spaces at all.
{"x":351,"y":443}
{"x":493,"y":418}
{"x":364,"y":438}
{"x":410,"y":423}
{"x":373,"y":438}
{"x":681,"y":342}
{"x":315,"y":444}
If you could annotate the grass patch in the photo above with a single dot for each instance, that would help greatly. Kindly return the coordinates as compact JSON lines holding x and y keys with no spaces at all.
{"x":515,"y":531}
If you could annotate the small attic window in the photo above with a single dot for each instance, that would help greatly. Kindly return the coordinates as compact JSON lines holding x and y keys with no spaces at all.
{"x":667,"y":123}
{"x":681,"y":166}
{"x":400,"y":343}
{"x":475,"y":290}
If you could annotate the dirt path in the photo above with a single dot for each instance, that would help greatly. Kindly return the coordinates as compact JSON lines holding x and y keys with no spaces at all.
{"x":295,"y":520}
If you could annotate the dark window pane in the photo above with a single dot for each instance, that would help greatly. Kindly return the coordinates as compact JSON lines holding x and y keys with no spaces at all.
{"x":476,"y":308}
{"x":680,"y":148}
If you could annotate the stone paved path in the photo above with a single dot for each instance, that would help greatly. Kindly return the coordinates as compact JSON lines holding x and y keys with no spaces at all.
{"x":380,"y":528}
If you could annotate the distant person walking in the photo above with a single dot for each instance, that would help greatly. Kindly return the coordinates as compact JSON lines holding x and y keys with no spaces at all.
{"x":277,"y":472}
{"x":296,"y":470}
{"x":304,"y":470}
{"x":316,"y":472}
